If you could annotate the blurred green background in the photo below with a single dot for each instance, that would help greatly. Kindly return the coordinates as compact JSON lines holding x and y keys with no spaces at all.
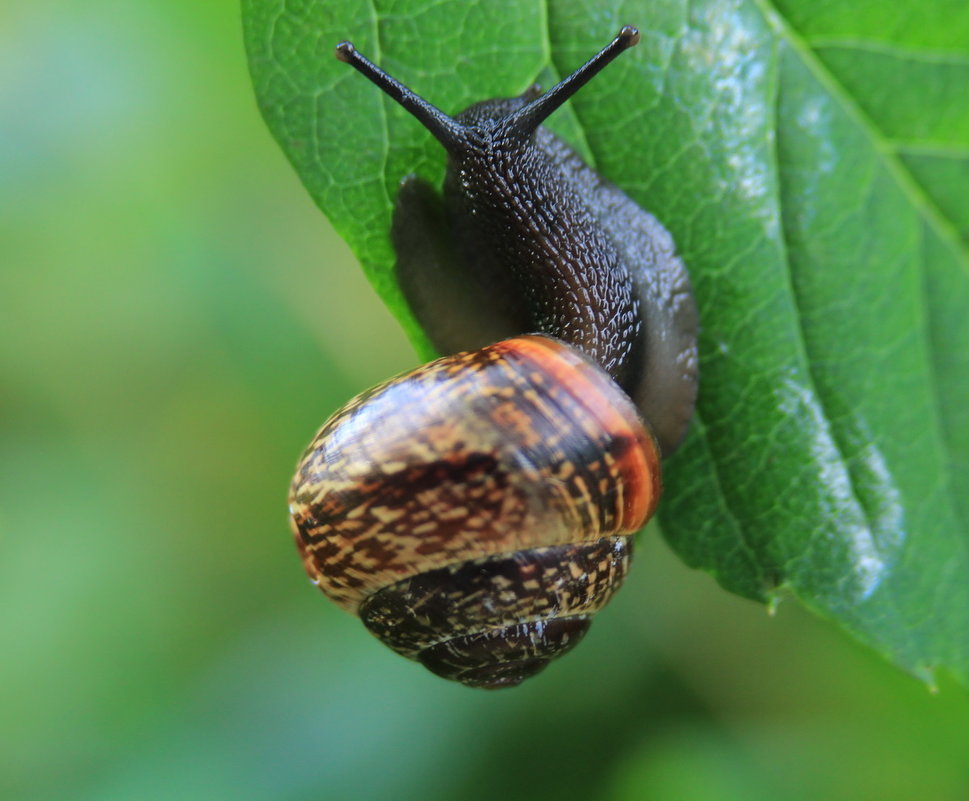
{"x":177,"y":320}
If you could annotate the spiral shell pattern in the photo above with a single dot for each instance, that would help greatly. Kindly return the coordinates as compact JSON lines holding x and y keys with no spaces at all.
{"x":475,"y":512}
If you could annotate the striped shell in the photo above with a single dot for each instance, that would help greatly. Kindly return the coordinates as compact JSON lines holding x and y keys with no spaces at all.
{"x":476,"y":512}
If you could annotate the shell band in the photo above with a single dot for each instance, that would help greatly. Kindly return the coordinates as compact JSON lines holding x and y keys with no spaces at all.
{"x":523,"y":444}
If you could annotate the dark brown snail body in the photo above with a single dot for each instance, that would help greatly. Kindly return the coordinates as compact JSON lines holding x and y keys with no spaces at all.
{"x":477,"y":511}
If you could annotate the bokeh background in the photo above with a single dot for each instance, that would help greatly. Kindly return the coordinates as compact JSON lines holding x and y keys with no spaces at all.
{"x":177,"y":319}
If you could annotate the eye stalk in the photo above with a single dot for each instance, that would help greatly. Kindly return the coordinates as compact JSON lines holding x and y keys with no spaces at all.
{"x":450,"y":133}
{"x":444,"y":129}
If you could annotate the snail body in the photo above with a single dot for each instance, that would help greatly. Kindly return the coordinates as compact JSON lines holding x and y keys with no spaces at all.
{"x":477,"y":511}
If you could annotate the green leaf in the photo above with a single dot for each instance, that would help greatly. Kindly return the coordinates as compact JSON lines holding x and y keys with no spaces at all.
{"x":810,"y":160}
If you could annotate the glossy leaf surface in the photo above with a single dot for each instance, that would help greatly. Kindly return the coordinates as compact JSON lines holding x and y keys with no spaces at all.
{"x":808,"y":159}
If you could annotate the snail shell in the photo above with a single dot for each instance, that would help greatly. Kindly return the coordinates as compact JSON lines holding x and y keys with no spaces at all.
{"x":476,"y":511}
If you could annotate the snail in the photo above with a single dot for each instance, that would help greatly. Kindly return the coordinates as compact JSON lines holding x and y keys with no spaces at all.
{"x":477,"y":512}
